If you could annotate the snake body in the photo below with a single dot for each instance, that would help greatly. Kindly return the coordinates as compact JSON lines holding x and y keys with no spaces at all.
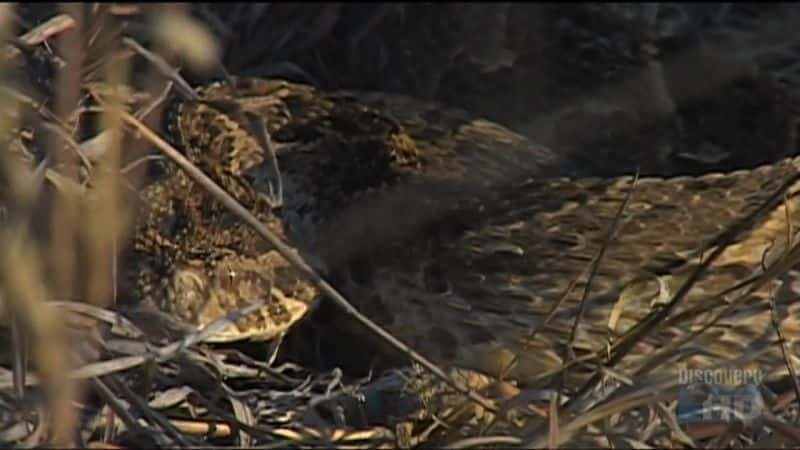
{"x":454,"y":233}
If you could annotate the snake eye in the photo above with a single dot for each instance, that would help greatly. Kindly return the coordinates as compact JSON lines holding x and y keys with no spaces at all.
{"x":226,"y":278}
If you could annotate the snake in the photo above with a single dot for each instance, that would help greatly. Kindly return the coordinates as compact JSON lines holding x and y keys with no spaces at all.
{"x":461,"y":238}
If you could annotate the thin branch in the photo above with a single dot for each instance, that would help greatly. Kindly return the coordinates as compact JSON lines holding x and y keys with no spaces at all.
{"x":116,"y":405}
{"x":163,"y":67}
{"x":294,"y":257}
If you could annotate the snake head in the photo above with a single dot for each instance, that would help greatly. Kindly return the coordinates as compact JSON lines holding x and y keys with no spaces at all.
{"x":201,"y":293}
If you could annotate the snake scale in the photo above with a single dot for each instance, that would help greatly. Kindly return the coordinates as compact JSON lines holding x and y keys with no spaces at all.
{"x":451,"y":232}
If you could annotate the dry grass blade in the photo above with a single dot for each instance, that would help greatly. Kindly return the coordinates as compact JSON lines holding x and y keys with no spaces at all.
{"x":104,"y":228}
{"x":24,"y":293}
{"x":108,"y":367}
{"x":258,"y":128}
{"x":595,"y":266}
{"x":121,"y":326}
{"x":552,"y":422}
{"x":145,"y":112}
{"x":88,"y":371}
{"x":121,"y":410}
{"x":164,"y":67}
{"x":671,"y":420}
{"x":52,"y":27}
{"x":643,"y":396}
{"x":483,"y":441}
{"x":187,"y":37}
{"x":152,"y":416}
{"x":198,"y":428}
{"x":788,"y":431}
{"x":20,"y":356}
{"x":42,"y":32}
{"x":244,"y":415}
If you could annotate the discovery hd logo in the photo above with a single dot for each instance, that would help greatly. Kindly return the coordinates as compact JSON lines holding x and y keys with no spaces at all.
{"x":720,"y":395}
{"x":721,"y":377}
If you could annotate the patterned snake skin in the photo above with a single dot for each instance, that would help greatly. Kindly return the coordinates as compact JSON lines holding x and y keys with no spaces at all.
{"x":450,"y":232}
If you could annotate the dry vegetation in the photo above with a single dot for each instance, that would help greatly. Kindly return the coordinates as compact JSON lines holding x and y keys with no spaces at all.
{"x":82,"y":91}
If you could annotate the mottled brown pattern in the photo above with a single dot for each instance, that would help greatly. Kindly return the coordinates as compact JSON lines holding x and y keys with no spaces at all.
{"x":451,"y":231}
{"x":192,"y":258}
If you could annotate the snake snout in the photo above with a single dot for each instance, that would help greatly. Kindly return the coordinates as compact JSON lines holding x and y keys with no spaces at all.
{"x":204,"y":291}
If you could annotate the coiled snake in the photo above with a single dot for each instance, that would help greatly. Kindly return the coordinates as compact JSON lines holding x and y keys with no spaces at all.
{"x":451,"y":232}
